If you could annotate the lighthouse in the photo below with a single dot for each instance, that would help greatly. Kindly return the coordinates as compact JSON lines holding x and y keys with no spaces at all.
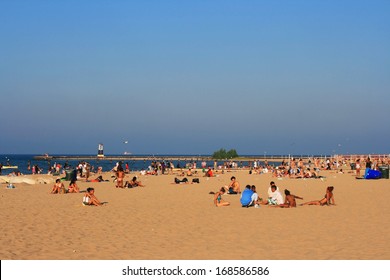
{"x":100,"y":151}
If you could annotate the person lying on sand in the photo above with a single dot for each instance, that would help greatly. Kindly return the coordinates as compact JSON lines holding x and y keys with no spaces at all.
{"x":98,"y":179}
{"x":73,"y":188}
{"x":327,"y":200}
{"x":218,"y":201}
{"x":133,"y":183}
{"x":289,"y":201}
{"x":90,"y":198}
{"x":58,"y":187}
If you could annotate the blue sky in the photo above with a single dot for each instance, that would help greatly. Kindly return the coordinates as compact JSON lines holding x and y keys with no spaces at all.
{"x":190,"y":77}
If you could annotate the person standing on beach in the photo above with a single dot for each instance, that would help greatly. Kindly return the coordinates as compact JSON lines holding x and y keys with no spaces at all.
{"x":1,"y":167}
{"x":120,"y":175}
{"x":368,"y":163}
{"x":357,"y":166}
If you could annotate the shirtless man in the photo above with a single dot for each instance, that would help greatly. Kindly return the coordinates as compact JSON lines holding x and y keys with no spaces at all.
{"x":234,"y":186}
{"x":289,"y":201}
{"x":120,"y":174}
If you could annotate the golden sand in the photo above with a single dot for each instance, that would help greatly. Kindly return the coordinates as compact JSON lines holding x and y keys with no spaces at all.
{"x":169,"y":221}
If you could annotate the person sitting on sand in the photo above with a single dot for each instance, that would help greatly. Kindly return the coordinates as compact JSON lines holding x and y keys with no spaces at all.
{"x":218,"y":201}
{"x":189,"y":172}
{"x":209,"y":173}
{"x":270,"y":193}
{"x":234,"y":186}
{"x":133,"y":183}
{"x":327,"y":200}
{"x":73,"y":188}
{"x":246,"y":196}
{"x":289,"y":201}
{"x":58,"y":187}
{"x":255,"y":198}
{"x":275,"y":198}
{"x":90,"y":198}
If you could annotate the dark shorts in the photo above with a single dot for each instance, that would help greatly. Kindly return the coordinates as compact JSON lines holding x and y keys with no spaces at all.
{"x":231,"y":191}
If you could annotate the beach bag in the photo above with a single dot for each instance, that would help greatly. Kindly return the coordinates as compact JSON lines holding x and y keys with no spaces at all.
{"x":195,"y":180}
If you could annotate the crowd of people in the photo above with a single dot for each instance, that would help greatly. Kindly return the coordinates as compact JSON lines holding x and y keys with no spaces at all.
{"x":249,"y":196}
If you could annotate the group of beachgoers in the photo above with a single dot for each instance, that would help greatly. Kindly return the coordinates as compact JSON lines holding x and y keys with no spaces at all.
{"x":120,"y":175}
{"x":89,"y":197}
{"x":249,"y":196}
{"x":300,"y":169}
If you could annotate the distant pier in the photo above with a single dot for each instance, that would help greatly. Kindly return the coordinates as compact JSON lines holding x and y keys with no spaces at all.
{"x":123,"y":158}
{"x":270,"y":158}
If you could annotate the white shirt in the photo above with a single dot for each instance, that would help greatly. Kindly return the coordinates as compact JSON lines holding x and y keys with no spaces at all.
{"x":254,"y":197}
{"x":277,"y":196}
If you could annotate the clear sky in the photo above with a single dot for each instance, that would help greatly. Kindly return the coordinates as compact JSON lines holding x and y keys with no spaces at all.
{"x":190,"y":77}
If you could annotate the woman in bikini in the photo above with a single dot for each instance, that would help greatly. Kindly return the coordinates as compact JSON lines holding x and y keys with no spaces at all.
{"x":327,"y":200}
{"x":73,"y":188}
{"x":90,"y":198}
{"x":218,"y":201}
{"x":58,"y":187}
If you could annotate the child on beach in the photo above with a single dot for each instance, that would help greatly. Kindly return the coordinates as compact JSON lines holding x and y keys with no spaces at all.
{"x":58,"y":187}
{"x":327,"y":200}
{"x":90,"y":198}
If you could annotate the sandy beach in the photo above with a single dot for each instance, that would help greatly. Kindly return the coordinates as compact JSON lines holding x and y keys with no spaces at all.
{"x":169,"y":221}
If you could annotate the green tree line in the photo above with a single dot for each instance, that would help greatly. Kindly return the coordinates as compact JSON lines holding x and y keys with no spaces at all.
{"x":223,"y":154}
